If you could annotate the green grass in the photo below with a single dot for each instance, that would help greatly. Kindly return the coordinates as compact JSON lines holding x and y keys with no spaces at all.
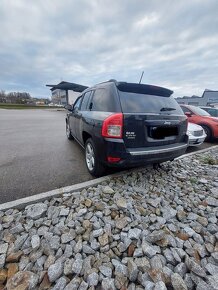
{"x":210,"y":160}
{"x":23,"y":106}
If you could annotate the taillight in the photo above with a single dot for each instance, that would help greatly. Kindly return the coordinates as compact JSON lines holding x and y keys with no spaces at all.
{"x":113,"y":126}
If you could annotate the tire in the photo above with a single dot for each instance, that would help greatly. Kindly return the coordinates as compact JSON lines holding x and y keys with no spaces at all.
{"x":68,"y":132}
{"x":93,"y":164}
{"x":208,"y":132}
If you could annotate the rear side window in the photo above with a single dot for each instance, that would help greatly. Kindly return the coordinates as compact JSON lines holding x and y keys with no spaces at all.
{"x":85,"y":101}
{"x":102,"y":101}
{"x":144,"y":103}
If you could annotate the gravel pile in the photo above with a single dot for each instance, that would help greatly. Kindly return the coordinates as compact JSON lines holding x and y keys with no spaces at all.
{"x":149,"y":229}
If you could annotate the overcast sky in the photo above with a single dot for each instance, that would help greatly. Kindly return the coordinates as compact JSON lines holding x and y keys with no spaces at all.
{"x":90,"y":41}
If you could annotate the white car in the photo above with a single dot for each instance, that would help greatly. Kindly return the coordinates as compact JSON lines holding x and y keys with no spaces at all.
{"x":196,"y":134}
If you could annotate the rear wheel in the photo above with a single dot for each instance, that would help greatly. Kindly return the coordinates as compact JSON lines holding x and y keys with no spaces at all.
{"x":93,"y":164}
{"x":68,"y":132}
{"x":208,"y":132}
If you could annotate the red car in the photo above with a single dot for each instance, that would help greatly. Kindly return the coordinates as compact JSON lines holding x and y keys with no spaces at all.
{"x":204,"y":119}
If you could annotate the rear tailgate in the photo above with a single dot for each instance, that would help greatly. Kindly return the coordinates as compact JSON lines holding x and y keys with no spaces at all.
{"x":141,"y":130}
{"x":151,"y":116}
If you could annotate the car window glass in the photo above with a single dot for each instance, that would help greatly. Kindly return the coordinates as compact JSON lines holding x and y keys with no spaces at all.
{"x":85,"y":101}
{"x":144,"y":103}
{"x":102,"y":101}
{"x":77,"y":103}
{"x":186,"y":110}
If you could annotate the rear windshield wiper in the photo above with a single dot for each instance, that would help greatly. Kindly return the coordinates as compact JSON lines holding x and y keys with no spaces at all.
{"x":167,"y":109}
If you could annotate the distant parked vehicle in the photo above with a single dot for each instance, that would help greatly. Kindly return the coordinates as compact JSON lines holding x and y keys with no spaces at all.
{"x":212,"y":111}
{"x":204,"y":119}
{"x":127,"y":124}
{"x":196,"y":134}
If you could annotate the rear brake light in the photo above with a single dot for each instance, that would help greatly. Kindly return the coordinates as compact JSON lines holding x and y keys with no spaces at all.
{"x":113,"y":126}
{"x":113,"y":159}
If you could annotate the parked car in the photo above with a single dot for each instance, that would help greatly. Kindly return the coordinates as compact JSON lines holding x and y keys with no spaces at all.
{"x":204,"y":119}
{"x":196,"y":134}
{"x":127,"y":124}
{"x":212,"y":111}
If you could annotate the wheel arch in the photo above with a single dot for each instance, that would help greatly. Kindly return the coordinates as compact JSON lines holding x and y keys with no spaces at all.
{"x":208,"y":126}
{"x":86,"y":136}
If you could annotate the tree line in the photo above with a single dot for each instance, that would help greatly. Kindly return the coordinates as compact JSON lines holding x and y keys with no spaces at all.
{"x":18,"y":98}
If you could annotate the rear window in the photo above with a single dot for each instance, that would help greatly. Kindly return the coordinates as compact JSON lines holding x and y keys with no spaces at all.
{"x":145,"y":103}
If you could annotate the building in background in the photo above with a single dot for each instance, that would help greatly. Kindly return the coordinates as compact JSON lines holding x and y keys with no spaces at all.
{"x":208,"y":98}
{"x":65,"y":92}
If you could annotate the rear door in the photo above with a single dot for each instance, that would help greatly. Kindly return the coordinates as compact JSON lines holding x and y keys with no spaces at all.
{"x":151,"y":120}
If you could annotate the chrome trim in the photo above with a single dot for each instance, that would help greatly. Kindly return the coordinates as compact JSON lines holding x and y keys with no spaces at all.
{"x":143,"y":152}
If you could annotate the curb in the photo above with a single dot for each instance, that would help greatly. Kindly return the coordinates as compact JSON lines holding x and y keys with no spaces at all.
{"x":21,"y":203}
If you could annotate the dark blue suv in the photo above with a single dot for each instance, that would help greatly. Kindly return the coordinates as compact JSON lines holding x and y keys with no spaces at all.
{"x":123,"y":124}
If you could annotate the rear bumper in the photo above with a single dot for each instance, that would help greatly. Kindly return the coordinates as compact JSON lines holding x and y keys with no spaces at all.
{"x":139,"y":156}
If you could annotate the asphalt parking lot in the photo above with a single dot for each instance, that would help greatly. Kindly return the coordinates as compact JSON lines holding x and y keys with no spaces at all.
{"x":35,"y":155}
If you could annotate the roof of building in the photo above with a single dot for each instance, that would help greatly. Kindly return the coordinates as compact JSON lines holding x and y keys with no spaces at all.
{"x":68,"y":86}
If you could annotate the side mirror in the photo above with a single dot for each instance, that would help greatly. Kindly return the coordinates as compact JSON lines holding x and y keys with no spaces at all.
{"x":188,"y":114}
{"x":68,"y":107}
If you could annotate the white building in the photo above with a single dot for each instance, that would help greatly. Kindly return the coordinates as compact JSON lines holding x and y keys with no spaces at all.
{"x":65,"y":93}
{"x":208,"y":98}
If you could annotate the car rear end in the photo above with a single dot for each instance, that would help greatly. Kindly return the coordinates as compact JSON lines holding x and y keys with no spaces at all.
{"x":151,"y":127}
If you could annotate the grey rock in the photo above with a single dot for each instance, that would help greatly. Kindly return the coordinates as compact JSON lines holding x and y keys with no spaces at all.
{"x":106,"y":271}
{"x":82,"y":212}
{"x":60,"y":284}
{"x":92,"y":279}
{"x":194,"y":267}
{"x":215,"y":256}
{"x":67,"y":237}
{"x":88,"y":250}
{"x":156,"y":236}
{"x":35,"y":211}
{"x":78,"y":246}
{"x":54,"y":242}
{"x":64,"y":212}
{"x":68,"y":267}
{"x":97,"y":233}
{"x":148,"y":250}
{"x":212,"y":201}
{"x":35,"y":242}
{"x":160,"y":286}
{"x":3,"y":248}
{"x":55,"y":271}
{"x":2,"y":260}
{"x":138,"y":252}
{"x":211,"y":268}
{"x":156,"y":262}
{"x":143,"y":264}
{"x":108,"y":284}
{"x":20,"y":241}
{"x":83,"y":286}
{"x":77,"y":266}
{"x":121,"y":203}
{"x":18,"y":228}
{"x":107,"y":190}
{"x":134,"y":233}
{"x":178,"y":282}
{"x":74,"y":284}
{"x":181,"y":269}
{"x":132,"y":270}
{"x":188,"y":281}
{"x":168,"y":212}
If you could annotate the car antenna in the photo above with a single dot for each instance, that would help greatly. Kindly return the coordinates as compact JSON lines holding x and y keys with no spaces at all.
{"x":141,"y":77}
